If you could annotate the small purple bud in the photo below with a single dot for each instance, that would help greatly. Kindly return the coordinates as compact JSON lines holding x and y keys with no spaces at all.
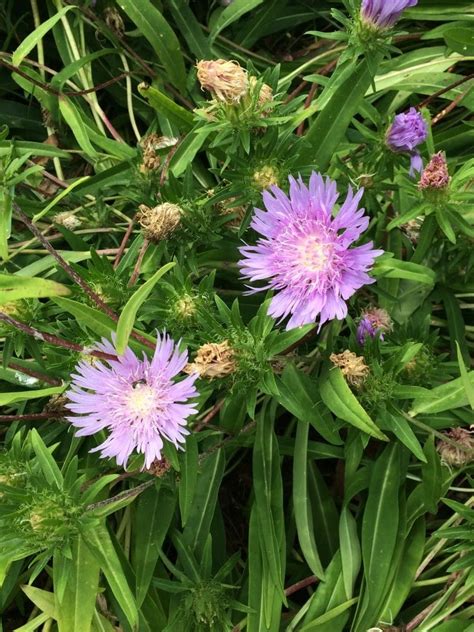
{"x":384,"y":13}
{"x":407,"y":131}
{"x":374,"y":321}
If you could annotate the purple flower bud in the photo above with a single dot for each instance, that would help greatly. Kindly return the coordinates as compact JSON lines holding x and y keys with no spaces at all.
{"x":407,"y":131}
{"x":374,"y":321}
{"x":384,"y":13}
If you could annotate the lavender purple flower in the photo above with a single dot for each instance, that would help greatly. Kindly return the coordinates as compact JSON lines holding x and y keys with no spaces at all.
{"x":137,"y":401}
{"x":384,"y":13}
{"x":305,"y":253}
{"x":407,"y":131}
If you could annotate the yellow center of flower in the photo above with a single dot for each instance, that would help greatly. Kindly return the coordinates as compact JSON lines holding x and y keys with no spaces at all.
{"x":312,"y":254}
{"x":141,"y":400}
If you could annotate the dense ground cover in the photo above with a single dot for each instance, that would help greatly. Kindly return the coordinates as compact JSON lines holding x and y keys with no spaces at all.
{"x":236,"y":315}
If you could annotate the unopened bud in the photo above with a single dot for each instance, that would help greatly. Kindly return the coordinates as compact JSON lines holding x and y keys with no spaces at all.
{"x":213,"y":360}
{"x":265,"y":177}
{"x":160,"y":221}
{"x":227,"y":81}
{"x":353,"y":367}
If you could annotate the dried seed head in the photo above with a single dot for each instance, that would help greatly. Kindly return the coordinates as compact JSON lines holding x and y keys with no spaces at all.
{"x":265,"y":177}
{"x":461,"y":454}
{"x":238,"y":211}
{"x":213,"y":360}
{"x":114,"y":21}
{"x":227,"y":81}
{"x":159,"y":467}
{"x":265,"y":93}
{"x":68,"y":220}
{"x":353,"y":367}
{"x":435,"y":175}
{"x":56,"y":404}
{"x":160,"y":221}
{"x":412,"y":229}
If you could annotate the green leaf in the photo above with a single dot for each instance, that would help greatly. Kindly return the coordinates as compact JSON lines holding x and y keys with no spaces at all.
{"x":302,"y":501}
{"x":13,"y":288}
{"x":98,"y":322}
{"x":153,"y":26}
{"x":350,"y":550}
{"x":21,"y":396}
{"x":205,"y":498}
{"x":444,"y":397}
{"x":466,"y":382}
{"x":268,"y":498}
{"x":298,"y":394}
{"x":73,"y":118}
{"x":76,"y":607}
{"x":188,"y":477}
{"x":129,"y":312}
{"x":325,"y":134}
{"x":59,"y":197}
{"x":100,"y":543}
{"x":166,"y":107}
{"x":404,"y":433}
{"x":390,"y":268}
{"x":405,"y":576}
{"x":154,"y":513}
{"x":432,"y":476}
{"x":6,"y":211}
{"x":460,"y":39}
{"x":230,"y":14}
{"x":36,"y":36}
{"x":341,"y":401}
{"x":43,"y":599}
{"x":315,"y":625}
{"x":380,"y":525}
{"x":190,"y":29}
{"x":49,"y":466}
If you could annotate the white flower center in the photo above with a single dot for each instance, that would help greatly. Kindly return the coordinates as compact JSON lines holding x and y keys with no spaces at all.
{"x":313,"y":254}
{"x":141,"y":400}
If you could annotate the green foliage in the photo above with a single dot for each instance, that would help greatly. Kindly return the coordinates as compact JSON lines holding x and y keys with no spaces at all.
{"x":307,"y":497}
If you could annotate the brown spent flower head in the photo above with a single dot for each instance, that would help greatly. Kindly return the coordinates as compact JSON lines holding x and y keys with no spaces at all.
{"x":227,"y":81}
{"x":213,"y":360}
{"x":68,"y":220}
{"x":114,"y":21}
{"x":265,"y":177}
{"x":265,"y":94}
{"x":238,"y":211}
{"x":412,"y":229}
{"x":353,"y":367}
{"x":160,"y":221}
{"x":435,"y":175}
{"x":453,"y":455}
{"x":150,"y":145}
{"x":159,"y":467}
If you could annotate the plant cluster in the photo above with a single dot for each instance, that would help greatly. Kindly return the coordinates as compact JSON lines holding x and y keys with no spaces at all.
{"x":236,"y":316}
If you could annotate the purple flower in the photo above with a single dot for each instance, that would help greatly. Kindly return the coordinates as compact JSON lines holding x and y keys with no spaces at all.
{"x":407,"y":131}
{"x":137,"y":401}
{"x":384,"y":13}
{"x":374,"y":321}
{"x":305,"y":253}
